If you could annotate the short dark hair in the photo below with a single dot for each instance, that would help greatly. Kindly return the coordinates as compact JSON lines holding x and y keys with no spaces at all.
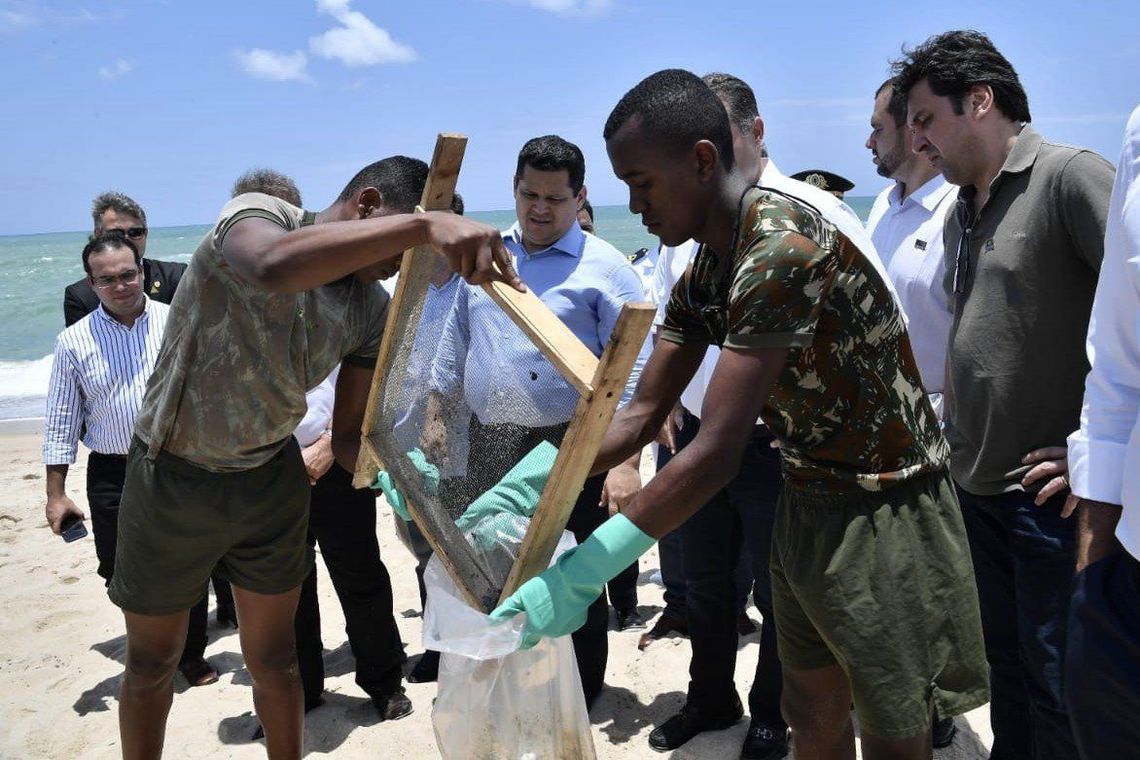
{"x":270,"y":182}
{"x":896,"y":106}
{"x":112,"y":240}
{"x":550,"y":153}
{"x":675,"y":107}
{"x":399,"y":179}
{"x":953,"y":62}
{"x":457,"y":205}
{"x":117,"y":202}
{"x":739,"y":100}
{"x":588,"y":209}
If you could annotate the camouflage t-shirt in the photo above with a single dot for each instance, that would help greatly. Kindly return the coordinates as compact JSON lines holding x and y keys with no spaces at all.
{"x":229,"y":386}
{"x":849,"y":407}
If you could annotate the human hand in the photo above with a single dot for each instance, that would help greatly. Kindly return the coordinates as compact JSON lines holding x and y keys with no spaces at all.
{"x":473,"y":249}
{"x":58,"y":509}
{"x":1049,"y":462}
{"x":621,"y":485}
{"x":667,"y":436}
{"x":1096,"y":530}
{"x":318,"y":458}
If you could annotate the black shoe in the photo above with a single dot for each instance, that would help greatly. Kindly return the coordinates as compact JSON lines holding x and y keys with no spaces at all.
{"x":629,"y":620}
{"x":393,"y":706}
{"x":198,"y":671}
{"x":764,"y":743}
{"x":688,"y":723}
{"x":665,"y":625}
{"x":427,"y":669}
{"x":942,"y":733}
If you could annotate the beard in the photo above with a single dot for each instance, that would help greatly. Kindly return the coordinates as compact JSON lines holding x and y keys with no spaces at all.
{"x":890,"y":161}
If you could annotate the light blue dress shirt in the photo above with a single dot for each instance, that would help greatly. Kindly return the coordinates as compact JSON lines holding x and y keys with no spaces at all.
{"x":505,"y":379}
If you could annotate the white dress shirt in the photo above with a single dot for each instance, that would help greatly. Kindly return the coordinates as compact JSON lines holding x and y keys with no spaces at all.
{"x":673,"y":262}
{"x":98,"y":377}
{"x":907,"y":233}
{"x":1104,"y":455}
{"x":318,"y":415}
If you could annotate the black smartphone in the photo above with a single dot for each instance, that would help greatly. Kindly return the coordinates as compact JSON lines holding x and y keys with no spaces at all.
{"x":72,"y":528}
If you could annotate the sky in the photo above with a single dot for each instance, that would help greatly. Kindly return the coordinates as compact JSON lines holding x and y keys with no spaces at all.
{"x":169,"y":101}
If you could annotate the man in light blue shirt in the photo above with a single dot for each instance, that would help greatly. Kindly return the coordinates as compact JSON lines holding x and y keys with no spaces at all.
{"x":517,"y":397}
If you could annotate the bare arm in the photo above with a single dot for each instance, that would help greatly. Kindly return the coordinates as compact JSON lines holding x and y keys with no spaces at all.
{"x":666,"y":373}
{"x":738,"y":390}
{"x":59,"y":505}
{"x":352,"y":388}
{"x":269,"y":257}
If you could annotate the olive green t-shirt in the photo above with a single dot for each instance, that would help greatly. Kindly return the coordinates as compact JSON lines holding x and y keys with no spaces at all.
{"x":848,"y":408}
{"x":229,"y":386}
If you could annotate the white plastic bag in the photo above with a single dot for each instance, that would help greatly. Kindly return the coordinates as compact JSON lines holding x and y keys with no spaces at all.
{"x":497,"y":702}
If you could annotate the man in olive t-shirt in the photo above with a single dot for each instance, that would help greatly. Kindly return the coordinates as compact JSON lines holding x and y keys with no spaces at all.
{"x":273,"y":299}
{"x":870,"y":570}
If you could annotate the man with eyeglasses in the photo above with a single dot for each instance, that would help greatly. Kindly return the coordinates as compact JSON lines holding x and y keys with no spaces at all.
{"x":112,"y":211}
{"x":101,"y":367}
{"x":1023,"y":248}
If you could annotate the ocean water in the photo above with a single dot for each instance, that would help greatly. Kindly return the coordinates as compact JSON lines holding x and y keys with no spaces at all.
{"x":37,"y":268}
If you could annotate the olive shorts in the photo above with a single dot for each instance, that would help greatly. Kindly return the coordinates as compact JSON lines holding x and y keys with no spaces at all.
{"x":881,"y":584}
{"x":177,"y":522}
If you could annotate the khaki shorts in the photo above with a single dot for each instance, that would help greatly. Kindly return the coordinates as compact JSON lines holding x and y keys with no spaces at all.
{"x":881,"y":584}
{"x":177,"y":522}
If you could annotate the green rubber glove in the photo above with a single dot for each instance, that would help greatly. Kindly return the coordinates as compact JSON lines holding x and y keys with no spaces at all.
{"x":556,"y":601}
{"x":427,"y":470}
{"x":517,"y":493}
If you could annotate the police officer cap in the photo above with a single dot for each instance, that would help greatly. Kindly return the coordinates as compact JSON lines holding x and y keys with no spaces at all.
{"x":824,"y":180}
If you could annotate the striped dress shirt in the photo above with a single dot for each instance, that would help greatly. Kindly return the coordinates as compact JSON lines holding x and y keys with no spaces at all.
{"x":98,"y":378}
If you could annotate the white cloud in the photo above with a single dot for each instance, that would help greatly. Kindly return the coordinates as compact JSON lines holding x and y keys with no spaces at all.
{"x":278,"y":67}
{"x":119,"y":68}
{"x":572,"y":7}
{"x":357,"y":41}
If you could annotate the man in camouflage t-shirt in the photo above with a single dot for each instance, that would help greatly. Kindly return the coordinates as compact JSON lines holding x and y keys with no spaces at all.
{"x":871,"y":577}
{"x":273,"y":299}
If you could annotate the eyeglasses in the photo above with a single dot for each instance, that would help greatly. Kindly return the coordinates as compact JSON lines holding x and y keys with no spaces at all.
{"x":126,"y":278}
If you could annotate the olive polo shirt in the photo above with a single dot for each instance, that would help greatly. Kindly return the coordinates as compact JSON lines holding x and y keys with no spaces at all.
{"x":1026,"y":274}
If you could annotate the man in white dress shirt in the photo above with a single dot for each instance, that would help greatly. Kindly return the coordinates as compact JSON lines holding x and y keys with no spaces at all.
{"x":101,"y":367}
{"x":906,"y":227}
{"x":1102,"y":668}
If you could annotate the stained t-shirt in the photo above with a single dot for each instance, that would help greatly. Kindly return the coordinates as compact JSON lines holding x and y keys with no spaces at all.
{"x":229,"y":386}
{"x":849,"y":407}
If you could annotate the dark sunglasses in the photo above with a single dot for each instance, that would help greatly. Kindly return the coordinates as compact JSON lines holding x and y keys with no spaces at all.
{"x":965,"y":212}
{"x":134,"y":233}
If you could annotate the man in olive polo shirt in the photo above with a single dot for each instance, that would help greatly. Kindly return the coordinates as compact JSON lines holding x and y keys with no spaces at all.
{"x":1023,"y":249}
{"x":273,"y":299}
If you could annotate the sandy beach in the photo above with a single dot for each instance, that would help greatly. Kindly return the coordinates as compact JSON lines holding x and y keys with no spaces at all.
{"x":62,"y":648}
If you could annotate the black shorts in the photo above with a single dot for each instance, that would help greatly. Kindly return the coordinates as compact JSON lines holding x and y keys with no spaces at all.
{"x":178,"y":521}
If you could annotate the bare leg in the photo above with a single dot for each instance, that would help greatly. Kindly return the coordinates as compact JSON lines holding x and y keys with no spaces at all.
{"x":154,"y":644}
{"x":270,"y":651}
{"x":817,"y":707}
